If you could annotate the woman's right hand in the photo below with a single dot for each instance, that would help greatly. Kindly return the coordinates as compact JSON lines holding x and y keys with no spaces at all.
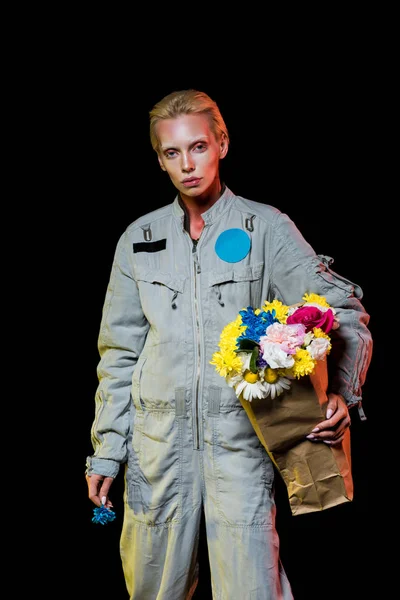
{"x":98,"y":488}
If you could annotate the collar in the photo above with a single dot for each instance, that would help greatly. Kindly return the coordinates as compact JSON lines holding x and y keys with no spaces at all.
{"x":210,"y":215}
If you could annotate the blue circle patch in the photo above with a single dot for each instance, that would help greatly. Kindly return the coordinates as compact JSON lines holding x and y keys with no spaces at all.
{"x":233,"y":245}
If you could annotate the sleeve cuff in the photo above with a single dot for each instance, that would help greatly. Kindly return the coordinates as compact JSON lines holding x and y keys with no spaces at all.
{"x":101,"y":466}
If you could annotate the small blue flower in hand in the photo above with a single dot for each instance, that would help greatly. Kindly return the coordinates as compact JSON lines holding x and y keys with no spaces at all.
{"x":103,"y":515}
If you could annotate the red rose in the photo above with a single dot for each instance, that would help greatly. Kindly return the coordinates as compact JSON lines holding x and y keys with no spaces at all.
{"x":311,"y":317}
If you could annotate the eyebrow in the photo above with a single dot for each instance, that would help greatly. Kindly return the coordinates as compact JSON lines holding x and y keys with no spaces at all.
{"x":203,"y":138}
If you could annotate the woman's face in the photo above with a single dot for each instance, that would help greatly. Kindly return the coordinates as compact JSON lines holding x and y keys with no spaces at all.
{"x":190,"y":154}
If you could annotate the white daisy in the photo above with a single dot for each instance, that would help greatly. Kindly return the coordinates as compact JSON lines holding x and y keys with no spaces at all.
{"x":250,"y":387}
{"x":273,"y":383}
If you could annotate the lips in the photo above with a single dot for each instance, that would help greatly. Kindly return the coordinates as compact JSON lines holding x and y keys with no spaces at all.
{"x":191,"y":181}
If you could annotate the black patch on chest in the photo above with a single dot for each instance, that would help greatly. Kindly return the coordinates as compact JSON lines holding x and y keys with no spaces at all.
{"x":150,"y":246}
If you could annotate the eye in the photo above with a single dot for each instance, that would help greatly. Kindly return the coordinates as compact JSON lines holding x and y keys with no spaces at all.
{"x":200,"y":147}
{"x":169,"y":153}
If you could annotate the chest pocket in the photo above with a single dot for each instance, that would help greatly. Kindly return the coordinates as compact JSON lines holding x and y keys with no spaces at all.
{"x":158,"y":291}
{"x":237,"y":288}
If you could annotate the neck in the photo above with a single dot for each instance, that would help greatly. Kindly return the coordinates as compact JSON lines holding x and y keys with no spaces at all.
{"x":198,"y":205}
{"x":195,"y":207}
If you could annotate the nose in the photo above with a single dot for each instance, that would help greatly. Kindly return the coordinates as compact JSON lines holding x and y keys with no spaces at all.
{"x":187,"y":163}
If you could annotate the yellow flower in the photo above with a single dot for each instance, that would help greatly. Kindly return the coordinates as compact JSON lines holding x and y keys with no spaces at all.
{"x":281,"y":310}
{"x":270,"y":375}
{"x":250,"y":377}
{"x":230,"y":333}
{"x":319,"y":333}
{"x":226,"y":362}
{"x":303,"y":364}
{"x":321,"y":300}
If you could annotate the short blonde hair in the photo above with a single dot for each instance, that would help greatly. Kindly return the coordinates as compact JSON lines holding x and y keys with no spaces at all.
{"x":186,"y":102}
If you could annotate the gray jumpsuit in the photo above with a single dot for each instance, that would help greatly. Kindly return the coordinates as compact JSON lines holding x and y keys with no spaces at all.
{"x":164,"y":412}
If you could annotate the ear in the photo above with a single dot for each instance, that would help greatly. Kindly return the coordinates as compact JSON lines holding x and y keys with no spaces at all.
{"x":161,"y":162}
{"x":223,"y":145}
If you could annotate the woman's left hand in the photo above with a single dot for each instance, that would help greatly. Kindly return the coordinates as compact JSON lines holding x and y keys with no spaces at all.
{"x":331,"y":431}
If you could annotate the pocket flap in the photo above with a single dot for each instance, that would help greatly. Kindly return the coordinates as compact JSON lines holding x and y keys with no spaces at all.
{"x":237,"y":274}
{"x":324,"y":269}
{"x":151,"y":276}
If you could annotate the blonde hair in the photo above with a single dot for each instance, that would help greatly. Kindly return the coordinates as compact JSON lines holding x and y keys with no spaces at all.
{"x":186,"y":102}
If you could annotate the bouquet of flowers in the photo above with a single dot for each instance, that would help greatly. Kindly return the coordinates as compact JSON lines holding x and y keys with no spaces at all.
{"x":264,"y":349}
{"x":268,"y":351}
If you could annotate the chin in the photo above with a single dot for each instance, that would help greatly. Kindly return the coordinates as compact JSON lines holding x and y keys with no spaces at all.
{"x":194,"y":192}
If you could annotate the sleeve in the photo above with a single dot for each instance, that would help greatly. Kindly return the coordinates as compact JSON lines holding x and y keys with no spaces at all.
{"x":123,"y":331}
{"x":295,"y":269}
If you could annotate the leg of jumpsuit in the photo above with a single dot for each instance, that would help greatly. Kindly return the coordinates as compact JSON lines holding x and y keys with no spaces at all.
{"x":240,"y":510}
{"x":163,"y":504}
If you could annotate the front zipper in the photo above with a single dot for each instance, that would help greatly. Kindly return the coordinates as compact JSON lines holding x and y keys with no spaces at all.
{"x":197,"y":270}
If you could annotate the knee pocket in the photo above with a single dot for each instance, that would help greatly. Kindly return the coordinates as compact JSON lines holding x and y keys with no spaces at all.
{"x":154,"y":468}
{"x":243,"y":472}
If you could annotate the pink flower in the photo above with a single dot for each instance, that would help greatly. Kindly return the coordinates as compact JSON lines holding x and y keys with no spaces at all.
{"x":287,"y":337}
{"x":311,"y":316}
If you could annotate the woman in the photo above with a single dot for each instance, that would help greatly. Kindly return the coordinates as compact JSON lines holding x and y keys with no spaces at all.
{"x":180,"y":274}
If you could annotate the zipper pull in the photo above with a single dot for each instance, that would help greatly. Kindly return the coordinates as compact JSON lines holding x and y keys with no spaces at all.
{"x":361,"y":412}
{"x":196,"y":259}
{"x":147,"y":232}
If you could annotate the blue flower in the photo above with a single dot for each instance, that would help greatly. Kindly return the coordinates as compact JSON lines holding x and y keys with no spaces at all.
{"x":256,"y":324}
{"x":103,"y":515}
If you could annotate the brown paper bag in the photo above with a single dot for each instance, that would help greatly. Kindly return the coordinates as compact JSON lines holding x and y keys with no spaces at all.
{"x":316,"y":475}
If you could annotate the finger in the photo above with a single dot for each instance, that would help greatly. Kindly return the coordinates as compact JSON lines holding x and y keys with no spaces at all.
{"x":341,"y":415}
{"x":331,"y":407}
{"x":331,"y":434}
{"x":328,"y":424}
{"x":104,"y":491}
{"x":106,"y":501}
{"x":334,"y":434}
{"x":329,"y":441}
{"x":335,"y":442}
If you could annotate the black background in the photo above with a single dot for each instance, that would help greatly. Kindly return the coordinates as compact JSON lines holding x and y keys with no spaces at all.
{"x":304,"y":138}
